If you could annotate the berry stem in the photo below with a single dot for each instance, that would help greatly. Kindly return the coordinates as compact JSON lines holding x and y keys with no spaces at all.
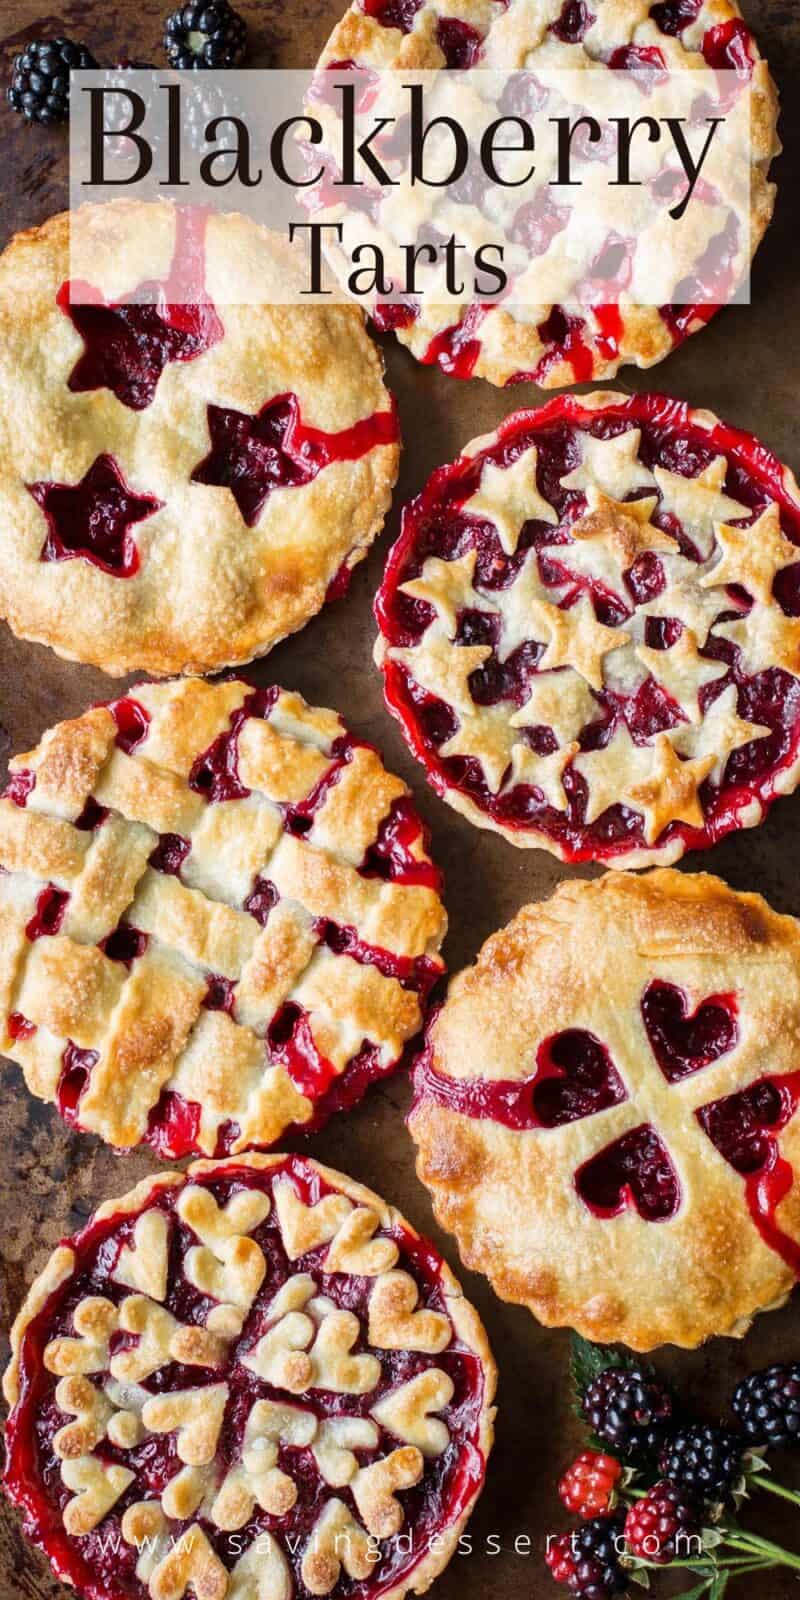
{"x":760,"y":1481}
{"x":753,"y":1543}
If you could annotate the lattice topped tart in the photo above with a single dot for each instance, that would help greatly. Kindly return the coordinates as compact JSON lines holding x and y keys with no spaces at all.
{"x":585,"y":338}
{"x":590,"y":629}
{"x":218,"y":917}
{"x":622,"y":1154}
{"x":252,"y":1379}
{"x":181,"y":484}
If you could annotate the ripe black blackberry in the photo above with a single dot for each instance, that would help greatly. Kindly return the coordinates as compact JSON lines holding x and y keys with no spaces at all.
{"x":39,"y":87}
{"x":598,"y":1545}
{"x":705,"y":1461}
{"x":629,"y":1410}
{"x":205,"y":36}
{"x":117,"y":108}
{"x":767,"y":1405}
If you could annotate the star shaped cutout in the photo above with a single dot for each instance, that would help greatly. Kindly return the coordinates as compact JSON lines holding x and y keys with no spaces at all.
{"x":252,"y":455}
{"x":486,"y":738}
{"x":93,"y":518}
{"x":669,"y":794}
{"x":127,"y":346}
{"x":698,"y":503}
{"x":720,"y":733}
{"x":448,"y":587}
{"x":444,"y":669}
{"x":509,"y":497}
{"x":561,"y":701}
{"x":752,"y":556}
{"x":545,"y":773}
{"x":619,"y":531}
{"x":612,"y":465}
{"x":577,"y":639}
{"x":682,"y":671}
{"x":766,"y":638}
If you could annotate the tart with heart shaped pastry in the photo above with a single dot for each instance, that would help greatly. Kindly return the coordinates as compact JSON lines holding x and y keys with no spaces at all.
{"x":639,"y":281}
{"x":218,"y":916}
{"x":249,"y":1379}
{"x":186,"y":472}
{"x":622,"y":1154}
{"x":590,"y":629}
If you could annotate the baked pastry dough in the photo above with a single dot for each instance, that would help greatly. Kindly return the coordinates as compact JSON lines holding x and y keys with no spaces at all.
{"x":202,"y":1425}
{"x":180,"y":485}
{"x":589,"y":629}
{"x":620,"y":1153}
{"x":218,"y":917}
{"x":558,"y":344}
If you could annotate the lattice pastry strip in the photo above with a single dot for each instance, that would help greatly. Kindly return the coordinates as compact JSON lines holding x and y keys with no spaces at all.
{"x":217,"y":1247}
{"x":209,"y":925}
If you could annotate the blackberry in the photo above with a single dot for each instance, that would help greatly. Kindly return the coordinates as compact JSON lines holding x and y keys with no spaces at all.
{"x":767,"y":1405}
{"x":200,"y":107}
{"x":39,"y":87}
{"x":629,"y":1410}
{"x":204,"y":36}
{"x":116,"y":106}
{"x":598,"y":1546}
{"x":703,"y":1460}
{"x":654,"y":1525}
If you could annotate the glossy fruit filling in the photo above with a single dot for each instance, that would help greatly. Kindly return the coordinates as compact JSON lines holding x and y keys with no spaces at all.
{"x":94,"y":518}
{"x":128,"y":343}
{"x":635,"y":1170}
{"x":275,"y":449}
{"x":682,"y":1041}
{"x":398,"y":855}
{"x":100,"y":1563}
{"x":743,"y":1127}
{"x":435,"y":524}
{"x":574,"y":1078}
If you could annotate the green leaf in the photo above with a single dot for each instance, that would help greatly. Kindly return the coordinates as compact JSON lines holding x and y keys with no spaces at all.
{"x":699,"y":1590}
{"x":589,"y":1360}
{"x":718,"y":1586}
{"x":641,"y":1577}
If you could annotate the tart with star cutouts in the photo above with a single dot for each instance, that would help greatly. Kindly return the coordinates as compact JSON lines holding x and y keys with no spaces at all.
{"x":218,"y":916}
{"x":183,"y":481}
{"x":623,"y":1154}
{"x":249,"y":1379}
{"x":644,"y":41}
{"x":590,"y":629}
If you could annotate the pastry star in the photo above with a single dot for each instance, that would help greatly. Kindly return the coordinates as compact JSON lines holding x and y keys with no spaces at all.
{"x":721,"y":732}
{"x":609,"y":771}
{"x":766,"y":638}
{"x":486,"y":738}
{"x":544,"y":773}
{"x":621,"y":528}
{"x":509,"y":497}
{"x":682,"y":672}
{"x":752,"y":556}
{"x":561,"y":701}
{"x":699,"y":502}
{"x":447,"y":586}
{"x":444,"y":669}
{"x":685,"y":600}
{"x":578,"y":640}
{"x":520,"y":605}
{"x":612,"y":464}
{"x":670,"y":793}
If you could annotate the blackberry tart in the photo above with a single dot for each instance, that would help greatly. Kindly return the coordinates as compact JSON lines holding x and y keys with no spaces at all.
{"x":252,"y":1378}
{"x":186,"y":472}
{"x":622,"y":1154}
{"x":218,"y":915}
{"x":589,"y":629}
{"x":644,"y":42}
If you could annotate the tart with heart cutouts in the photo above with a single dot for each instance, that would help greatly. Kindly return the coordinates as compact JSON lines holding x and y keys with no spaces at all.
{"x":590,"y":629}
{"x":249,"y":1379}
{"x":622,"y":1154}
{"x":623,"y":244}
{"x":218,"y":916}
{"x":186,"y":472}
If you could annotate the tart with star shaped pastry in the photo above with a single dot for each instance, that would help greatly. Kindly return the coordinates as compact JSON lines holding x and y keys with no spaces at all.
{"x":218,"y":916}
{"x":622,"y":1155}
{"x":249,"y":1379}
{"x":609,"y":44}
{"x":590,"y":629}
{"x":189,"y":472}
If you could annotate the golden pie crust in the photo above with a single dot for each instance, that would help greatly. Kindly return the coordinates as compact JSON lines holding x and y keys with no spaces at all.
{"x":209,"y":588}
{"x":627,"y":967}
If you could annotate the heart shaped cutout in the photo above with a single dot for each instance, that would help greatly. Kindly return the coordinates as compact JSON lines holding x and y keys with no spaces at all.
{"x":684,"y":1042}
{"x":635,"y":1170}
